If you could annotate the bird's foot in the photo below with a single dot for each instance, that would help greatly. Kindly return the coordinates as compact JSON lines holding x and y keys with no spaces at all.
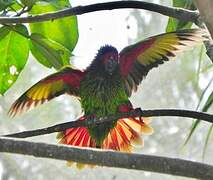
{"x":91,"y":119}
{"x":139,"y":112}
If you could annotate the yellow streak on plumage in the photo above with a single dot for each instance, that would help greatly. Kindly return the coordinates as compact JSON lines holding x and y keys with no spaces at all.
{"x":31,"y":92}
{"x":147,"y":120}
{"x":145,"y":129}
{"x":159,"y":48}
{"x":80,"y":165}
{"x":40,"y":95}
{"x":59,"y":135}
{"x":136,"y":126}
{"x":91,"y":166}
{"x":47,"y":91}
{"x":70,"y":163}
{"x":137,"y":142}
{"x":127,"y":148}
{"x":44,"y":90}
{"x":35,"y":93}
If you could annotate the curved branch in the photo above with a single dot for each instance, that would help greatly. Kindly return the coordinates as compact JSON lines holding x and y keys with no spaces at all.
{"x":136,"y":113}
{"x":109,"y":158}
{"x":179,"y":13}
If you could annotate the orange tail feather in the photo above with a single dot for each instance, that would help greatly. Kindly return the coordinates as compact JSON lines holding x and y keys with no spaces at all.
{"x":126,"y":134}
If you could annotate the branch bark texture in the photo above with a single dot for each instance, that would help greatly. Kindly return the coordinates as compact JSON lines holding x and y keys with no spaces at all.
{"x":109,"y":158}
{"x":179,"y":13}
{"x":136,"y":113}
{"x":206,"y":11}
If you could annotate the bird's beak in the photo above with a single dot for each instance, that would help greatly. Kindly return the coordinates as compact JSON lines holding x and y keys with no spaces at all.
{"x":111,"y":66}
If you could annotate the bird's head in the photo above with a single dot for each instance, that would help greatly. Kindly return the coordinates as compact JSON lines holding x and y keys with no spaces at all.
{"x":106,"y":60}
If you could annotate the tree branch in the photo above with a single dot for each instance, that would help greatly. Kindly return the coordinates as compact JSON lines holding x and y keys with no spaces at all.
{"x":205,"y":9}
{"x":136,"y":113}
{"x":109,"y":158}
{"x":179,"y":13}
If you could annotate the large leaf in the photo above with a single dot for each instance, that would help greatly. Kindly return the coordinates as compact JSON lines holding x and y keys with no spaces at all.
{"x":4,"y":31}
{"x":175,"y":24}
{"x":5,"y":3}
{"x":48,"y":52}
{"x":14,"y":50}
{"x":63,"y":31}
{"x":28,"y":3}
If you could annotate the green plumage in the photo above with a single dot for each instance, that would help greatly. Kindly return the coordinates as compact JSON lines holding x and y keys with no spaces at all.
{"x":101,"y":94}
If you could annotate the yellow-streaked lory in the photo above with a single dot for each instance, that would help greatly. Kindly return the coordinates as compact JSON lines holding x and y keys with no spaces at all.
{"x":105,"y":86}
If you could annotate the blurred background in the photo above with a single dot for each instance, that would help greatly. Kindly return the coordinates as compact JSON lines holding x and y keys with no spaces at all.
{"x":176,"y":84}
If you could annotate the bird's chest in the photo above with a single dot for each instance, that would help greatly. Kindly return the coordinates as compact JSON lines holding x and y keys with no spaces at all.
{"x":102,"y":96}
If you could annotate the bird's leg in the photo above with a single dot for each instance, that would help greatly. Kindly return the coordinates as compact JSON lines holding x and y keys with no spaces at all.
{"x":91,"y":119}
{"x":127,"y":107}
{"x":139,"y":112}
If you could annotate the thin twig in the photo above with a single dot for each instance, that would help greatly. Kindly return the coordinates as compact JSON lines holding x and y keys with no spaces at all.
{"x":109,"y":158}
{"x":136,"y":113}
{"x":179,"y":13}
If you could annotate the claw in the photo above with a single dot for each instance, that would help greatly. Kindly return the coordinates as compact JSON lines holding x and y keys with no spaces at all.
{"x":140,"y":112}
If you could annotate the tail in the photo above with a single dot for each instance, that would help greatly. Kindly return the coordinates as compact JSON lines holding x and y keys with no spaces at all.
{"x":123,"y":137}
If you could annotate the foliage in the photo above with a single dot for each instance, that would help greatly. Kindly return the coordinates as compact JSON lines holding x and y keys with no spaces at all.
{"x":172,"y":25}
{"x":51,"y":43}
{"x":175,"y":24}
{"x":162,"y":141}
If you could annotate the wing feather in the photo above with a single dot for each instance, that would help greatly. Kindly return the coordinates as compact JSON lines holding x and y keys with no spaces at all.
{"x":138,"y":59}
{"x":65,"y":81}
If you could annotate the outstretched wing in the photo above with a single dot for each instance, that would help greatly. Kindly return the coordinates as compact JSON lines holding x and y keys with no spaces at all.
{"x":65,"y":81}
{"x":138,"y":59}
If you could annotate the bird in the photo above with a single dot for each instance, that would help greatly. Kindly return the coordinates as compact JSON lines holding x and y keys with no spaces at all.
{"x":104,"y":89}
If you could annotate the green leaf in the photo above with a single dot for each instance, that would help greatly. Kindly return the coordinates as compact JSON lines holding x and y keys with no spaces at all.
{"x":207,"y":141}
{"x":14,"y":50}
{"x":28,"y":3}
{"x":4,"y":31}
{"x":204,"y":92}
{"x":63,"y":31}
{"x":175,"y":24}
{"x":5,"y":3}
{"x":208,"y":103}
{"x":204,"y":109}
{"x":48,"y":52}
{"x":16,"y":6}
{"x":194,"y":126}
